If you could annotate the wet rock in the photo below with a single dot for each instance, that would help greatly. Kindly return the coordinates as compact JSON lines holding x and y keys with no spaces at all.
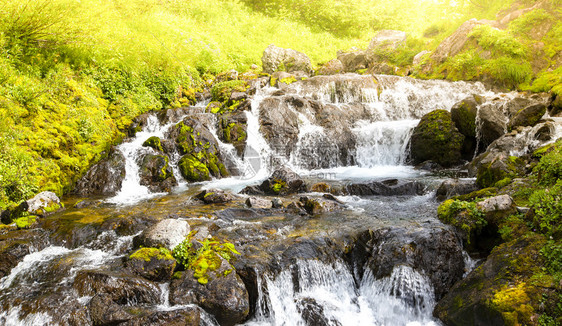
{"x":201,"y":158}
{"x":498,"y":292}
{"x":436,"y":138}
{"x":233,"y":130}
{"x":123,"y":289}
{"x":68,"y":233}
{"x":463,"y":115}
{"x":434,"y":250}
{"x":104,"y":311}
{"x":555,"y":106}
{"x":515,"y":105}
{"x":455,"y":187}
{"x":215,"y":196}
{"x":153,"y":142}
{"x":156,"y":173}
{"x":224,"y":296}
{"x":491,"y":167}
{"x":15,"y":245}
{"x":254,"y":202}
{"x":152,"y":263}
{"x":277,"y":203}
{"x":188,"y":316}
{"x":493,"y":124}
{"x":321,"y":187}
{"x":104,"y":178}
{"x":138,"y":123}
{"x":282,"y":182}
{"x":172,"y":115}
{"x":390,"y":187}
{"x":275,"y":58}
{"x":314,"y":206}
{"x":167,"y":233}
{"x":529,"y":116}
{"x":332,"y":67}
{"x":279,"y":125}
{"x":313,"y":313}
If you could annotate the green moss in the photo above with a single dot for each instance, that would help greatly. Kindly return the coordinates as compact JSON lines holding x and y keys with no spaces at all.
{"x":278,"y":185}
{"x":221,"y":92}
{"x":503,"y":182}
{"x":514,"y":304}
{"x":153,"y":142}
{"x":25,"y":222}
{"x":499,"y":169}
{"x":148,"y":254}
{"x":193,"y":170}
{"x":463,"y":215}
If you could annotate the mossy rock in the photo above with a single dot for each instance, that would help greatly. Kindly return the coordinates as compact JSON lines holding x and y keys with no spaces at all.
{"x":222,"y":91}
{"x":437,"y":139}
{"x":153,"y":142}
{"x":494,"y":167}
{"x":156,"y":173}
{"x":529,"y":116}
{"x":155,"y":264}
{"x":193,"y":170}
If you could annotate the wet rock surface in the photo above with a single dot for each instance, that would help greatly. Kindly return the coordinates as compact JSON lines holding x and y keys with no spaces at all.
{"x":105,"y":178}
{"x":167,"y":233}
{"x":390,"y":187}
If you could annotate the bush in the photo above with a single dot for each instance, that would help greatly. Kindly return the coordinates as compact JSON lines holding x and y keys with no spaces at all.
{"x":509,"y":71}
{"x":547,"y":206}
{"x":549,"y":168}
{"x":498,"y":41}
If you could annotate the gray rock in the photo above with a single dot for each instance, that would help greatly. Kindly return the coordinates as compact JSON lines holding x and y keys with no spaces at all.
{"x":44,"y":203}
{"x":332,"y":67}
{"x":156,"y":173}
{"x":254,"y":202}
{"x":275,"y":58}
{"x":455,"y":187}
{"x":390,"y":187}
{"x":167,"y":233}
{"x":353,"y":61}
{"x":104,"y":178}
{"x":529,"y":116}
{"x":215,"y":196}
{"x":418,"y":58}
{"x":387,"y":39}
{"x":493,"y":124}
{"x":501,"y":203}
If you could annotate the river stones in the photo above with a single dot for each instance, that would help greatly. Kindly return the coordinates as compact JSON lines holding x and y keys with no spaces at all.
{"x":491,"y":167}
{"x":167,"y":233}
{"x":122,"y":288}
{"x":254,"y":202}
{"x":224,"y":296}
{"x":282,"y":182}
{"x":455,"y":187}
{"x":156,"y":173}
{"x":492,"y":124}
{"x":389,"y":187}
{"x":155,"y":264}
{"x":436,"y":139}
{"x":15,"y":245}
{"x":529,"y":116}
{"x":104,"y":178}
{"x":215,"y":196}
{"x":275,"y":58}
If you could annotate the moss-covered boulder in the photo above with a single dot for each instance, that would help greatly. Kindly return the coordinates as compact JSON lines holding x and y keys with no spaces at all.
{"x":105,"y":178}
{"x":156,"y":173}
{"x":492,"y":124}
{"x":555,"y":106}
{"x":155,"y":264}
{"x":278,"y":59}
{"x":463,"y":115}
{"x":331,"y":67}
{"x":154,"y":143}
{"x":222,"y":91}
{"x":201,"y":158}
{"x":529,"y":116}
{"x":491,"y":167}
{"x":233,"y":129}
{"x":437,"y":139}
{"x":501,"y":291}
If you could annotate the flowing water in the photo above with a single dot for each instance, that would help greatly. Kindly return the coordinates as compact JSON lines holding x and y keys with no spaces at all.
{"x":306,"y":291}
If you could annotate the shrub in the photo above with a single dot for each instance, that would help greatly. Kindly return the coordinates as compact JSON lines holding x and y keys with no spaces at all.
{"x":498,"y":41}
{"x":547,"y":205}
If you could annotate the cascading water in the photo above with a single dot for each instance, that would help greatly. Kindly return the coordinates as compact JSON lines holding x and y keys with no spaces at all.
{"x":327,"y":294}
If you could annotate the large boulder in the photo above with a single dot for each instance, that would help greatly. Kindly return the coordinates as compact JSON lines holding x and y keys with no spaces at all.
{"x":44,"y":203}
{"x":233,"y":130}
{"x":275,"y":58}
{"x":332,"y":67}
{"x":464,"y":115}
{"x":492,"y":124}
{"x":555,"y":105}
{"x":354,"y":60}
{"x":491,"y":167}
{"x":201,"y":158}
{"x":389,"y":187}
{"x":155,"y":264}
{"x":387,"y":39}
{"x":529,"y":116}
{"x":103,"y":179}
{"x":436,"y":139}
{"x":282,"y":182}
{"x":156,"y":173}
{"x":455,"y":187}
{"x":224,"y":296}
{"x":167,"y":233}
{"x":279,"y":124}
{"x":496,"y":208}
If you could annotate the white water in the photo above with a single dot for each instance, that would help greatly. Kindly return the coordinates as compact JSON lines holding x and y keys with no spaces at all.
{"x":404,"y":298}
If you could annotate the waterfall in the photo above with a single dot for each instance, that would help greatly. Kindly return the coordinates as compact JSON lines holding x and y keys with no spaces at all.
{"x":327,"y":294}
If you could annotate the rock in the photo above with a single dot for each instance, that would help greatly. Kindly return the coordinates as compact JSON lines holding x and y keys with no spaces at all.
{"x":201,"y":155}
{"x":138,"y":123}
{"x":418,"y":58}
{"x":104,"y":311}
{"x":332,"y":67}
{"x":44,"y":203}
{"x":493,"y":124}
{"x":281,"y":79}
{"x":152,"y":263}
{"x":437,"y":139}
{"x":528,"y":116}
{"x":491,"y":167}
{"x":434,"y":251}
{"x":463,"y":115}
{"x":122,"y":288}
{"x":225,"y":296}
{"x":104,"y":178}
{"x":457,"y":41}
{"x":277,"y":203}
{"x":254,"y":202}
{"x":383,"y":68}
{"x":276,"y":58}
{"x":390,"y":187}
{"x":354,"y":61}
{"x":188,"y":316}
{"x":15,"y":245}
{"x":154,"y":142}
{"x":321,"y":187}
{"x":279,"y":124}
{"x":496,"y":208}
{"x":515,"y":105}
{"x":455,"y":187}
{"x":167,"y":233}
{"x":315,"y":206}
{"x":173,"y":115}
{"x":156,"y":173}
{"x":387,"y":39}
{"x":233,"y":130}
{"x":215,"y":196}
{"x":313,"y":314}
{"x":282,"y":182}
{"x":555,"y":106}
{"x":499,"y":291}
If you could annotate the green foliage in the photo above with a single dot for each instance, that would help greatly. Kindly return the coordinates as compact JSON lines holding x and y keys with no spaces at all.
{"x":498,"y":41}
{"x":509,"y":71}
{"x":221,"y":91}
{"x":523,"y":25}
{"x":549,"y":168}
{"x":147,"y":254}
{"x":464,"y":215}
{"x":547,"y":205}
{"x":464,"y":66}
{"x":547,"y":81}
{"x":552,"y":253}
{"x":203,"y":257}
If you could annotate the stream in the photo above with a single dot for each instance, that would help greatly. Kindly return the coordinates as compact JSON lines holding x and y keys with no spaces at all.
{"x":381,"y":260}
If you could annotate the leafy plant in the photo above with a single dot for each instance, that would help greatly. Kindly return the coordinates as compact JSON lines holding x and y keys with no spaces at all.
{"x":203,"y":257}
{"x":547,"y":205}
